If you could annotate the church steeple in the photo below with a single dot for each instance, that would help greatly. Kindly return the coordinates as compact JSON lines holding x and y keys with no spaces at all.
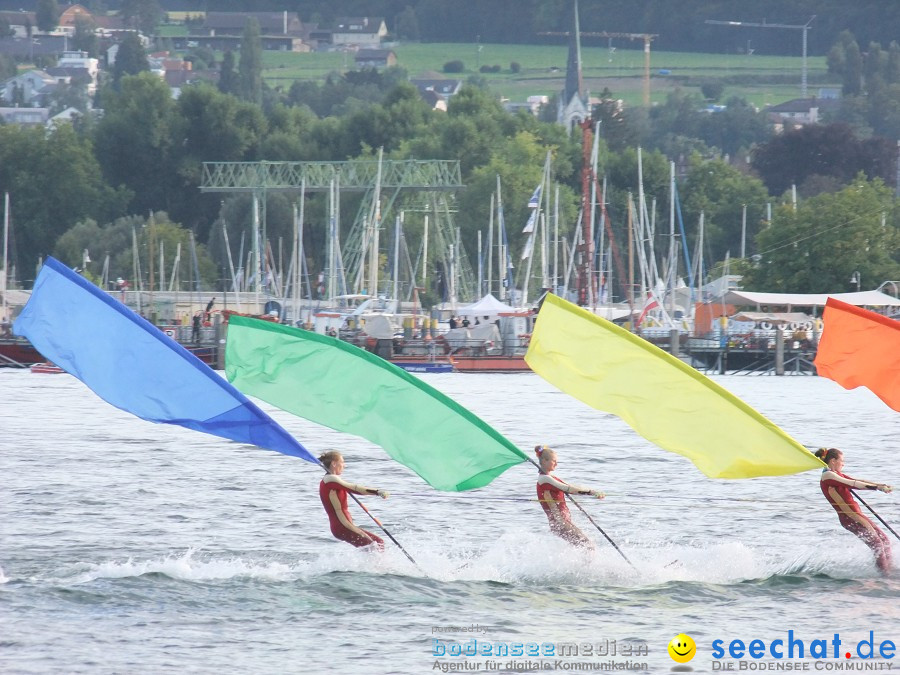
{"x":574,"y":80}
{"x":573,"y":104}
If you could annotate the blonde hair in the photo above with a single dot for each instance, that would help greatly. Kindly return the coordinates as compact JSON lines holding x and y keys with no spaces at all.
{"x":541,"y":450}
{"x":327,"y":458}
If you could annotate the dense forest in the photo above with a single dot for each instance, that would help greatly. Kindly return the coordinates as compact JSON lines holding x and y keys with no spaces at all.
{"x":680,"y":25}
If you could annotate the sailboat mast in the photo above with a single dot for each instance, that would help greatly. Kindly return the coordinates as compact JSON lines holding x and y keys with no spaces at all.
{"x":397,"y":263}
{"x":555,"y":282}
{"x":373,"y":252}
{"x":480,"y":268}
{"x":502,"y":268}
{"x":673,"y":258}
{"x":601,"y":281}
{"x":629,"y":294}
{"x":425,"y":254}
{"x":257,"y":263}
{"x":295,"y":260}
{"x":545,"y":225}
{"x":700,"y":258}
{"x":331,"y":238}
{"x":5,"y":253}
{"x":150,"y":247}
{"x":298,"y":263}
{"x":490,"y":246}
{"x":136,"y":268}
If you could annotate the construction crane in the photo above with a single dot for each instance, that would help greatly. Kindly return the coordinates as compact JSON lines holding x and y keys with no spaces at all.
{"x":805,"y":27}
{"x":646,"y":37}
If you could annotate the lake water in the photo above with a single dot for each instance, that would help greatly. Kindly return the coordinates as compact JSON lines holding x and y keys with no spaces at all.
{"x":130,"y":547}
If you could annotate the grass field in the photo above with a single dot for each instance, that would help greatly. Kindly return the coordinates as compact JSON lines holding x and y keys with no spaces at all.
{"x":762,"y":80}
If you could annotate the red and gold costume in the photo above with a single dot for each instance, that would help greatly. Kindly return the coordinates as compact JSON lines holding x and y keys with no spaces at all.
{"x":552,"y":493}
{"x":836,"y":488}
{"x":333,"y":492}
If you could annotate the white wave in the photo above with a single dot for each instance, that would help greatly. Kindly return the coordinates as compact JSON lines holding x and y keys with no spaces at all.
{"x":532,"y":558}
{"x":187,"y":566}
{"x":515,"y":557}
{"x":3,"y":578}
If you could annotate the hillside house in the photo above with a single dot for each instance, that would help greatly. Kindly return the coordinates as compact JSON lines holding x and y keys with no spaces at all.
{"x":799,"y":112}
{"x":40,"y":45}
{"x":19,"y":22}
{"x":364,"y":32}
{"x":71,"y":15}
{"x":26,"y":117}
{"x":270,"y":23}
{"x":375,"y":58}
{"x":27,"y":88}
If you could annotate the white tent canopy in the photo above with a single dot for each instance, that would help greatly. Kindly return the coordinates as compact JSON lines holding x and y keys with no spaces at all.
{"x":487,"y":306}
{"x":860,"y":299}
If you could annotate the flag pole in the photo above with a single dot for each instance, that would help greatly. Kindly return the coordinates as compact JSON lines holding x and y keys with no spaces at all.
{"x":875,"y":514}
{"x":614,"y":545}
{"x":587,"y":515}
{"x":384,"y":529}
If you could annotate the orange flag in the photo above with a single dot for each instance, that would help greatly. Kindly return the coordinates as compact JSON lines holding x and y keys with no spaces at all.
{"x":860,"y":348}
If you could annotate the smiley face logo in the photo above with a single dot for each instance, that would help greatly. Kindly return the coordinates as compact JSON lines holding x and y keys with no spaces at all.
{"x":682,"y":648}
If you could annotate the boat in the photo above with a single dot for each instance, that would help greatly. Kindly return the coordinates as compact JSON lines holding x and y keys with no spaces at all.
{"x":425,"y":366}
{"x":18,"y":352}
{"x":490,"y":364}
{"x":491,"y":347}
{"x":46,"y":368}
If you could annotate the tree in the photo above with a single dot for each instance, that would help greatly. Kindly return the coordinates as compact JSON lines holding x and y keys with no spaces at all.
{"x":212,"y":126}
{"x":720,"y":192}
{"x":8,"y":67}
{"x":826,"y":150}
{"x":131,"y":58}
{"x":54,"y":181}
{"x":402,"y":116}
{"x":818,"y":247}
{"x":134,"y":140}
{"x":144,"y":15}
{"x":712,"y":91}
{"x":116,"y":239}
{"x":407,"y":24}
{"x":739,"y":126}
{"x":250,"y":67}
{"x":837,"y":55}
{"x":85,"y":38}
{"x":228,"y":78}
{"x":875,"y":67}
{"x":853,"y":70}
{"x":46,"y":15}
{"x":617,"y":128}
{"x":455,"y":66}
{"x":892,"y":69}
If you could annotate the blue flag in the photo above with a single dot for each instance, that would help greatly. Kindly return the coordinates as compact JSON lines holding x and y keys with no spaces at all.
{"x":133,"y":365}
{"x":535,"y":200}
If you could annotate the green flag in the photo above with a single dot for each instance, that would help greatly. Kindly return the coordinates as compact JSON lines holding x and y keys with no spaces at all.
{"x":337,"y":385}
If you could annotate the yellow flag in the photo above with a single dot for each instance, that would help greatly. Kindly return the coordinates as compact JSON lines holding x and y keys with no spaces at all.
{"x":664,"y":400}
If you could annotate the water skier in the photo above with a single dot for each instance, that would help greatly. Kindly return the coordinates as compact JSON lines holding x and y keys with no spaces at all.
{"x":552,"y":493}
{"x":333,"y":492}
{"x":836,"y":488}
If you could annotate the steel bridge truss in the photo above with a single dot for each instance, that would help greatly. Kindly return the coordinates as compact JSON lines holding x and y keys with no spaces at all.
{"x":435,"y":180}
